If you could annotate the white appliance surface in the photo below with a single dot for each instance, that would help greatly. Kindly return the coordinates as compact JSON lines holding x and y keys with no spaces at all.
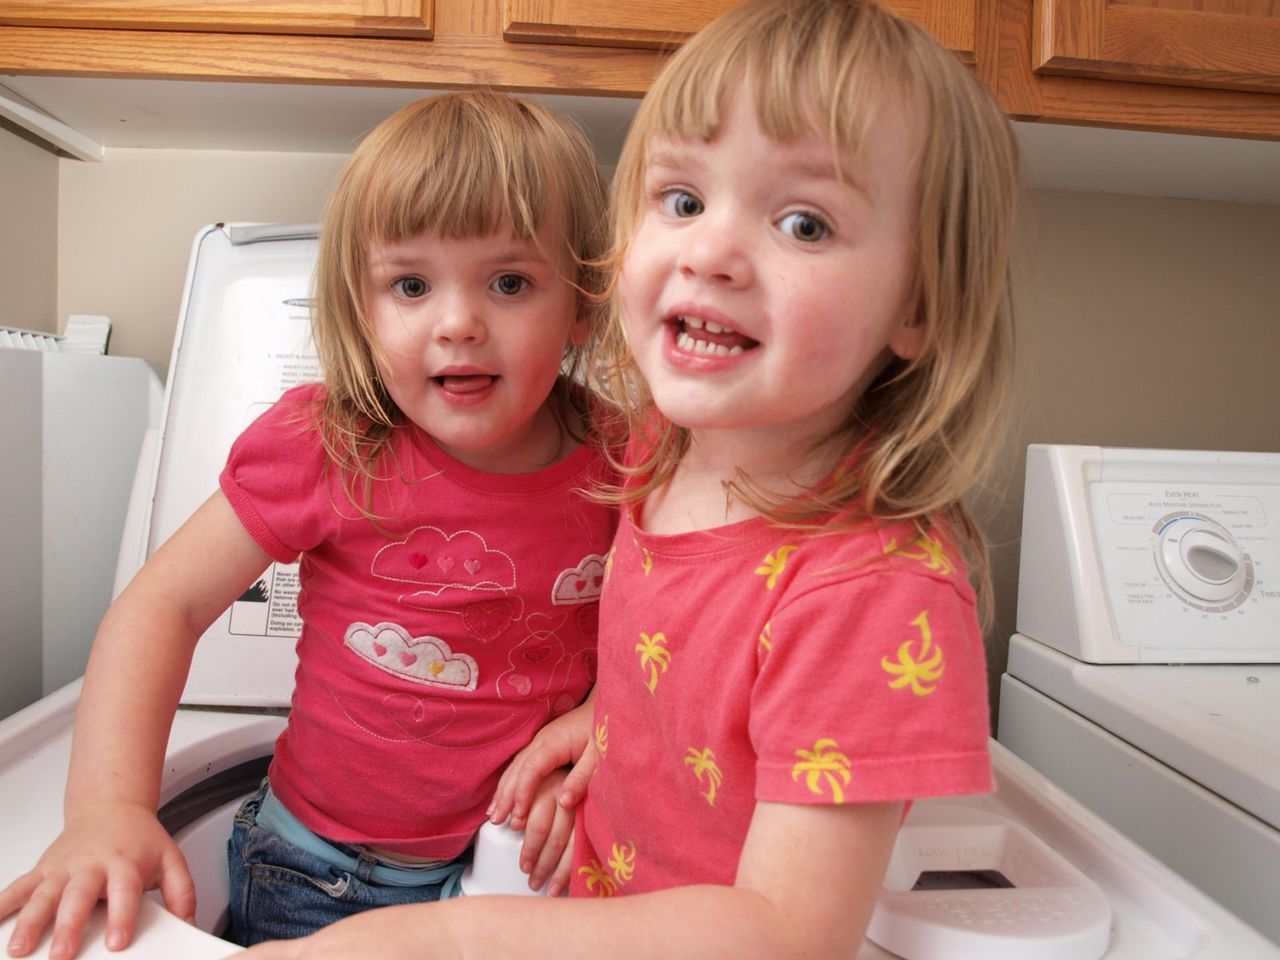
{"x":243,"y":337}
{"x":1154,"y":913}
{"x":1144,"y":677}
{"x":71,"y":431}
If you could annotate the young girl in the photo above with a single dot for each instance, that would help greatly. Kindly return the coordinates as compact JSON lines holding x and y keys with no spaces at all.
{"x":814,"y":213}
{"x":450,"y":567}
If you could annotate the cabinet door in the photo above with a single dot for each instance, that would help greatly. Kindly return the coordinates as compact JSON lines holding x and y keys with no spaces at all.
{"x":667,"y":23}
{"x":387,"y":18}
{"x":1223,"y":44}
{"x":1010,"y":52}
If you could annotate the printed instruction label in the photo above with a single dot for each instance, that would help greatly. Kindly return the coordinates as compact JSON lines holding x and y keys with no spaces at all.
{"x":269,"y":608}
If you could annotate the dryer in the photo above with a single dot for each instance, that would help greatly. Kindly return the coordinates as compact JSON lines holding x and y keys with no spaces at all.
{"x":1026,"y":871}
{"x":1144,"y":677}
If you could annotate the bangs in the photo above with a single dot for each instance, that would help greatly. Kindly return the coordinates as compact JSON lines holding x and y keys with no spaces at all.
{"x":812,"y":68}
{"x":463,"y":175}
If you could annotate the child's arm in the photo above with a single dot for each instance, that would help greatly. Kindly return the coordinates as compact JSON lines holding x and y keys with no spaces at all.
{"x":112,"y":845}
{"x":807,"y":882}
{"x":539,"y":797}
{"x":547,"y":852}
{"x":565,"y":741}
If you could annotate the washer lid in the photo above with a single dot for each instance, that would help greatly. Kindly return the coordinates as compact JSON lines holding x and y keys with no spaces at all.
{"x":243,"y":338}
{"x":1218,"y":724}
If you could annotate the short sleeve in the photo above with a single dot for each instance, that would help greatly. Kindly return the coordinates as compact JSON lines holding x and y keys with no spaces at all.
{"x":276,"y":478}
{"x":872,"y":688}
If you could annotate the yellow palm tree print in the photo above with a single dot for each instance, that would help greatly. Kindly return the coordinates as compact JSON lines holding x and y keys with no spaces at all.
{"x":774,"y":564}
{"x":646,"y":558}
{"x":623,"y":862}
{"x":929,"y":552}
{"x":921,"y":674}
{"x":602,"y":736}
{"x":654,"y":655}
{"x":598,"y":880}
{"x":823,"y":766}
{"x":766,"y":637}
{"x":704,"y":764}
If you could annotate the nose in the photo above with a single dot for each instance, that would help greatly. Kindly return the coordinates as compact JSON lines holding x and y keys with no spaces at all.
{"x":461,"y":319}
{"x":716,"y":249}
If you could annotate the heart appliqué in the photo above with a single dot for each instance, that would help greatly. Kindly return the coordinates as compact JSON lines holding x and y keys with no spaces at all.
{"x":520,"y":683}
{"x":488,"y":619}
{"x":537,"y":654}
{"x":444,"y":563}
{"x":471,"y":566}
{"x":409,"y":659}
{"x":418,"y":560}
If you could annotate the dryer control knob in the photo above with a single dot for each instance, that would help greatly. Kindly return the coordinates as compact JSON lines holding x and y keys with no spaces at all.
{"x":1199,"y":558}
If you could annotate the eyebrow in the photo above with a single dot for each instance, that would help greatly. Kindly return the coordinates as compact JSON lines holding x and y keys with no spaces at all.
{"x":674,"y":158}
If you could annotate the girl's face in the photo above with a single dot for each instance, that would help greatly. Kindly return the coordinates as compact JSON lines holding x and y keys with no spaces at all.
{"x":473,"y":332}
{"x":763,"y":289}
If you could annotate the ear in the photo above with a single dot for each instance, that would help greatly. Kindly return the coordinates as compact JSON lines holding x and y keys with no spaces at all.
{"x":908,"y":339}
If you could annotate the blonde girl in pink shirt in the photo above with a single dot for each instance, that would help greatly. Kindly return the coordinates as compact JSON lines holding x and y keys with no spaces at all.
{"x":814,"y":216}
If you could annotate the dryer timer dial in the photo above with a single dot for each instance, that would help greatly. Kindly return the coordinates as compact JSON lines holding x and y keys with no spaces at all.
{"x":1200,"y":561}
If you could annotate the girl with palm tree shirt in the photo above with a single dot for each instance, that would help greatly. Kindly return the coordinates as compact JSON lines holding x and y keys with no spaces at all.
{"x":811,"y":343}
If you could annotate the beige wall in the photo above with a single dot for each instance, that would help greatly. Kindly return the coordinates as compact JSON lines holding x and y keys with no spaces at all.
{"x":125,"y":228}
{"x":29,"y":238}
{"x":1144,"y":322}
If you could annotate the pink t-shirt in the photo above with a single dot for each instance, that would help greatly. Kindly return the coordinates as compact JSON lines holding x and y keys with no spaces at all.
{"x":753,"y":663}
{"x":433,"y":648}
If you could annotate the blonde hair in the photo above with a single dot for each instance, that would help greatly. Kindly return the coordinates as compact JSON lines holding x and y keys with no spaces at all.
{"x":925,"y":429}
{"x":456,"y":165}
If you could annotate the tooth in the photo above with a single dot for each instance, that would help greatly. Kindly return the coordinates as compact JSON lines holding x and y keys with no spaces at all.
{"x":735,"y":350}
{"x":684,"y":341}
{"x":721,"y":350}
{"x":714,"y":327}
{"x":693,"y":322}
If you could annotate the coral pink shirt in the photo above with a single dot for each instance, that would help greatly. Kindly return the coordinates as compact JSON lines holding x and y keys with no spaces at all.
{"x":433,"y":649}
{"x":750,"y":663}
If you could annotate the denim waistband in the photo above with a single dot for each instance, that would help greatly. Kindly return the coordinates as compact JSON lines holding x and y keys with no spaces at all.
{"x":274,"y":816}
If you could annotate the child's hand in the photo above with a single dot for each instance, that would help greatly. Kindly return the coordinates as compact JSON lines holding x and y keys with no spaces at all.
{"x":562,"y":742}
{"x":548,"y":837}
{"x":115,"y":851}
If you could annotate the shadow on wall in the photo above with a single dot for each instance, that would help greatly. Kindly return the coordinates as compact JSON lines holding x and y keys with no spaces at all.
{"x":1141,"y":323}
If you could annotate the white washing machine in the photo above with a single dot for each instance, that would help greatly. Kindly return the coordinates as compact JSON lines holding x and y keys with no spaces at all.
{"x":1144,"y":677}
{"x":1026,"y":872}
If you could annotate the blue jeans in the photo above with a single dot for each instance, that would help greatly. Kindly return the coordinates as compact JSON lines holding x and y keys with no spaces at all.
{"x":279,"y":891}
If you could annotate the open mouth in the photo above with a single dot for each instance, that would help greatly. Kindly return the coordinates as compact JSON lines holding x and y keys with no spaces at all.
{"x":465,"y":383}
{"x":710,"y":339}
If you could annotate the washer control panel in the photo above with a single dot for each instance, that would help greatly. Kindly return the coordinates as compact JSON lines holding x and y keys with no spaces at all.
{"x":1201,"y":563}
{"x":1188,"y":566}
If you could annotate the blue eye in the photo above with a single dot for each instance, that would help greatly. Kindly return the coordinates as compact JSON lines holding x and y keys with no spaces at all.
{"x":411,"y":288}
{"x":804,"y":226}
{"x":509,"y":284}
{"x":681,"y":203}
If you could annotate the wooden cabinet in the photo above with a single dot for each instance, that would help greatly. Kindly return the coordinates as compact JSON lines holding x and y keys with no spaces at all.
{"x":1187,"y":66}
{"x":663,"y":23}
{"x":1202,"y":66}
{"x":1227,"y":44}
{"x":386,"y":18}
{"x":643,"y":24}
{"x":562,"y":46}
